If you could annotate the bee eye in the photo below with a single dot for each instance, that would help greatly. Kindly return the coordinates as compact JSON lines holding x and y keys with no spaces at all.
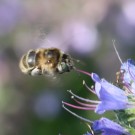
{"x":65,"y":56}
{"x":49,"y":61}
{"x":49,"y":54}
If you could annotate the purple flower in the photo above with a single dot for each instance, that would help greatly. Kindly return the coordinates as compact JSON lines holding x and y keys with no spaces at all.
{"x":110,"y":96}
{"x":127,"y":75}
{"x":102,"y":126}
{"x":108,"y":127}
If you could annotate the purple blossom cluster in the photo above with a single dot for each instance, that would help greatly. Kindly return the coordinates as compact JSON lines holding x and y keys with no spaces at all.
{"x":110,"y":98}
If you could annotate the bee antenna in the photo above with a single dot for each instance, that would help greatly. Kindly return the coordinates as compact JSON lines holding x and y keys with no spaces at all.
{"x":116,"y":51}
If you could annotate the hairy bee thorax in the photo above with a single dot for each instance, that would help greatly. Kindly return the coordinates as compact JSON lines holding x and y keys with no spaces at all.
{"x":48,"y":61}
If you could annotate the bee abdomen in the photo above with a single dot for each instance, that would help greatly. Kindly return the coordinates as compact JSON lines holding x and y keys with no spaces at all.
{"x":27,"y":62}
{"x":23,"y":65}
{"x":31,"y":58}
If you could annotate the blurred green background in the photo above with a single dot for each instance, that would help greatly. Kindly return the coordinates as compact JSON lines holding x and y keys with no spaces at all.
{"x":82,"y":28}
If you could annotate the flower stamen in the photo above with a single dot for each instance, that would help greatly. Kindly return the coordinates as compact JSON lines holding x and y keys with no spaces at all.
{"x":87,"y":73}
{"x":90,"y":89}
{"x":84,"y":104}
{"x":83,"y":99}
{"x":77,"y":107}
{"x":81,"y":118}
{"x":117,"y":51}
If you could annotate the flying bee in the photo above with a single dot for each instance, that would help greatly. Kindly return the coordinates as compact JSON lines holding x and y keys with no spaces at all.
{"x":46,"y":61}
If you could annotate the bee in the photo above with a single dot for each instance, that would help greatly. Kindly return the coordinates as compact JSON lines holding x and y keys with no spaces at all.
{"x":46,"y":61}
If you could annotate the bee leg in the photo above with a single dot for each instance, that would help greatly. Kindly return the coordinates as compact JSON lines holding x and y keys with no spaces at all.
{"x":63,"y":67}
{"x":36,"y":71}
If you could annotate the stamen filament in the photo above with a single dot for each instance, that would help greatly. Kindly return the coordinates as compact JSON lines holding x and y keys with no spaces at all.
{"x":84,"y":104}
{"x":116,"y":51}
{"x":91,"y":90}
{"x":128,"y":87}
{"x":83,"y":99}
{"x":81,"y":118}
{"x":87,"y":73}
{"x":78,"y":107}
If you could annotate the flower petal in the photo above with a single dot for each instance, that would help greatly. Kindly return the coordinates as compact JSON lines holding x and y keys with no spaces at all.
{"x":129,"y":73}
{"x":112,"y":97}
{"x":95,"y":77}
{"x":108,"y":127}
